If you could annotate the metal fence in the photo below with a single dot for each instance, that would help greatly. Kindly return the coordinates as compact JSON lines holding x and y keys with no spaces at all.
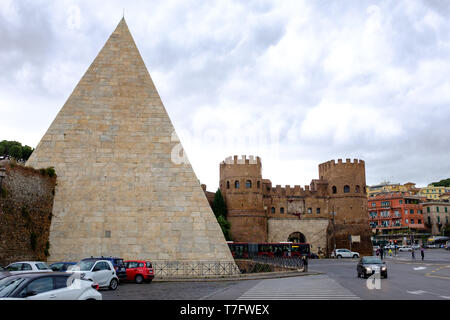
{"x":285,"y":262}
{"x":194,"y":269}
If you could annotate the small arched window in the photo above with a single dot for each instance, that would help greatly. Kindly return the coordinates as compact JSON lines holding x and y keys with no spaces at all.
{"x":248,"y":184}
{"x":228,"y":184}
{"x":357,"y":189}
{"x":258,"y":184}
{"x":334,"y":189}
{"x":281,"y":210}
{"x":236,"y":184}
{"x":346,"y":189}
{"x":272,"y":210}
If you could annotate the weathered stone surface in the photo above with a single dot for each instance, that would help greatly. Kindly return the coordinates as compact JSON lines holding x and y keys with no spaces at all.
{"x":112,"y":147}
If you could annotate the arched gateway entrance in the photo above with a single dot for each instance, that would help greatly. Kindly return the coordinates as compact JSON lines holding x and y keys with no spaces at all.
{"x":297,"y":237}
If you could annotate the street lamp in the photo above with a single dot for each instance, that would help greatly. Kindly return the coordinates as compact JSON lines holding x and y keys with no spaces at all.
{"x":333,"y":213}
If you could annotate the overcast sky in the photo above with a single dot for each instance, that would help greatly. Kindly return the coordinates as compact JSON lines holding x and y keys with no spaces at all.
{"x":296,"y":82}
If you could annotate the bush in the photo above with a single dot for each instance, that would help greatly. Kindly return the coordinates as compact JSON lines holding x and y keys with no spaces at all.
{"x":50,"y":171}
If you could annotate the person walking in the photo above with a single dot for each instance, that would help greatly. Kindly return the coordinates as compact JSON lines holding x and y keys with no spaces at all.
{"x":381,"y":253}
{"x":413,"y":254}
{"x":305,"y":263}
{"x":422,"y":253}
{"x":390,"y":252}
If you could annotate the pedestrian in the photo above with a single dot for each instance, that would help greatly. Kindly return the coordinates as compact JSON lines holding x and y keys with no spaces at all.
{"x":422,"y":253}
{"x":381,"y":253}
{"x":390,"y":252}
{"x":305,"y":263}
{"x":413,"y":254}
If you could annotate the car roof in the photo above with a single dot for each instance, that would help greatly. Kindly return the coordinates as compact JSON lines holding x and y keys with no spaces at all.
{"x":67,"y":262}
{"x":29,"y":262}
{"x":38,"y":274}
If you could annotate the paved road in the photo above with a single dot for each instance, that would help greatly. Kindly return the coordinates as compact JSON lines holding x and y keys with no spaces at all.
{"x":408,"y":280}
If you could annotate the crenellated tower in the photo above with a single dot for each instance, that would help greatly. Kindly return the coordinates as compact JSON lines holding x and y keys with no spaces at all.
{"x":348,"y":199}
{"x":241,"y":186}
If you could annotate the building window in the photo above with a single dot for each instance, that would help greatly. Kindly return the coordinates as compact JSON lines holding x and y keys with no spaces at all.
{"x":272,"y":210}
{"x":437,"y":209}
{"x":258,"y":184}
{"x":420,"y":221}
{"x":429,"y":220}
{"x":309,"y":210}
{"x":412,"y":221}
{"x":439,"y":219}
{"x":357,"y":189}
{"x":346,"y":189}
{"x":406,"y":221}
{"x":318,"y":210}
{"x":334,"y":189}
{"x":406,"y":211}
{"x":428,"y":209}
{"x":228,"y":184}
{"x":248,"y":184}
{"x":411,"y":211}
{"x":236,"y":184}
{"x":401,"y":201}
{"x":373,"y":204}
{"x":281,"y":210}
{"x":445,"y":209}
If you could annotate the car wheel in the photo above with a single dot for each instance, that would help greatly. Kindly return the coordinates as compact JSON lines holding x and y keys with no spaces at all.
{"x":339,"y":256}
{"x":113,"y":284}
{"x":355,"y":256}
{"x":139,"y":279}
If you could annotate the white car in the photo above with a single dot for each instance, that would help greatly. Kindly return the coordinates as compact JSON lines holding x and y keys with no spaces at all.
{"x":27,"y":267}
{"x":345,"y":253}
{"x":47,"y":286}
{"x":405,"y":248}
{"x":415,"y":246}
{"x":99,"y":271}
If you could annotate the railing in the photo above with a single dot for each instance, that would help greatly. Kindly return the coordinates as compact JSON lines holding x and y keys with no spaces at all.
{"x":285,"y":262}
{"x":194,"y":269}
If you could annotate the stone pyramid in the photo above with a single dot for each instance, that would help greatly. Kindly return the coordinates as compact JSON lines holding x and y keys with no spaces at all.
{"x":124,"y":187}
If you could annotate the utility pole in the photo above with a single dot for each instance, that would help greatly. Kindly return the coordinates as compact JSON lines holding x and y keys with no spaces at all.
{"x":333,"y":213}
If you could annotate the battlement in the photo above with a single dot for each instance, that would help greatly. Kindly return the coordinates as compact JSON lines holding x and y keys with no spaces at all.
{"x":291,"y":191}
{"x":348,"y":164}
{"x":242,"y":160}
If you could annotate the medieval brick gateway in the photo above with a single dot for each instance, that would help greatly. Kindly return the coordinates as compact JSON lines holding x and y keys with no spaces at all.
{"x":259,"y":212}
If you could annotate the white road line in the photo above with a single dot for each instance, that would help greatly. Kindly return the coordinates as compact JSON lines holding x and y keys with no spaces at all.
{"x":301,"y":288}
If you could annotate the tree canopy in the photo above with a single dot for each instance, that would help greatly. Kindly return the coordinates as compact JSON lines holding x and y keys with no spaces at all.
{"x":442,"y":183}
{"x":15,"y":150}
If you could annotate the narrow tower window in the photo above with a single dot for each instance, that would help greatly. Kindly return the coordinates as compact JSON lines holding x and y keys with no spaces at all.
{"x":236,"y":184}
{"x":258,"y":184}
{"x":334,"y":189}
{"x":248,"y":184}
{"x":228,"y":184}
{"x":346,"y":189}
{"x":281,"y":210}
{"x":272,"y":210}
{"x":357,"y":189}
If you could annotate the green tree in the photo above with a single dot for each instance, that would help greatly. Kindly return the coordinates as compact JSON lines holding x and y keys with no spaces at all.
{"x":15,"y":150}
{"x":220,"y":211}
{"x":219,"y":207}
{"x":442,"y":183}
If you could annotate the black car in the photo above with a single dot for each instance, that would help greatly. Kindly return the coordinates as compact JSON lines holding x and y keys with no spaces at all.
{"x":118,"y":264}
{"x":61,"y":266}
{"x":370,"y":265}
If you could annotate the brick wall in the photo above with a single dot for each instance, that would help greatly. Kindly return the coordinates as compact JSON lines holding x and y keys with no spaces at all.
{"x":26,"y":203}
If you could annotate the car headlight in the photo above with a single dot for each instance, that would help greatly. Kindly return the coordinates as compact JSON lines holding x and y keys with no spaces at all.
{"x":368,"y":269}
{"x":383,"y":268}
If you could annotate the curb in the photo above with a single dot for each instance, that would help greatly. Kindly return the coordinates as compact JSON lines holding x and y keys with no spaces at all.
{"x":241,"y":277}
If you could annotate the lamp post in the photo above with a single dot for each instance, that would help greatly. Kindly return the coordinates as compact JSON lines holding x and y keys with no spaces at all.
{"x":333,"y":213}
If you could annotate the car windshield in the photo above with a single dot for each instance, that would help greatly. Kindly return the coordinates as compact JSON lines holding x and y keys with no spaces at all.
{"x":42,"y":266}
{"x":85,"y":265}
{"x":8,"y":285}
{"x":373,"y":260}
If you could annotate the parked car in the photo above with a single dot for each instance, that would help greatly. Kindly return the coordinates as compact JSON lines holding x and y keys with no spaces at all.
{"x":415,"y":246}
{"x":27,"y":267}
{"x":139,"y":271}
{"x":47,"y":286}
{"x":99,"y":271}
{"x":405,"y":248}
{"x":61,"y":266}
{"x":4,"y":274}
{"x":345,"y":253}
{"x":370,"y":265}
{"x":118,"y":264}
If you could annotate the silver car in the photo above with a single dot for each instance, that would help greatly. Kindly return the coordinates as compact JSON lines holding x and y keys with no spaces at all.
{"x":27,"y":267}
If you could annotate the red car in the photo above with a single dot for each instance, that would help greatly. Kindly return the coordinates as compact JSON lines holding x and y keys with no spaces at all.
{"x":139,"y":271}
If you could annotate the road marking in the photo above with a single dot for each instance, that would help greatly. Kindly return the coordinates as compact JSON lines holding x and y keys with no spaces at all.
{"x":420,"y":268}
{"x":416,"y":292}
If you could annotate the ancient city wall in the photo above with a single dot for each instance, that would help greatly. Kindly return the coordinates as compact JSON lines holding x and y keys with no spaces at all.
{"x":26,"y":203}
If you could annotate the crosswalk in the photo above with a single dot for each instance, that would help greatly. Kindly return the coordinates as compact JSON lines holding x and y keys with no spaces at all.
{"x":319,"y":287}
